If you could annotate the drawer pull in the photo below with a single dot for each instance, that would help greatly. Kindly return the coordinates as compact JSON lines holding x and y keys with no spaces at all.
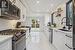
{"x":68,"y":46}
{"x":68,"y":36}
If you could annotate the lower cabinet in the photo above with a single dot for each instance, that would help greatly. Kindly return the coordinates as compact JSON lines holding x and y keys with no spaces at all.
{"x":59,"y":40}
{"x":7,"y":45}
{"x":67,"y":47}
{"x":28,"y":38}
{"x":62,"y":40}
{"x":69,"y":42}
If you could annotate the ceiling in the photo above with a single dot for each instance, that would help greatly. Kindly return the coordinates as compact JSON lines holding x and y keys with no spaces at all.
{"x":43,"y":5}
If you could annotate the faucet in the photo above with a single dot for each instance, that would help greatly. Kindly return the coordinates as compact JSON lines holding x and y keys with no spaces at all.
{"x":69,"y":27}
{"x":62,"y":20}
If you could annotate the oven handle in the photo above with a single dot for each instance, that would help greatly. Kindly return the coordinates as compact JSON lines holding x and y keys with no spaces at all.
{"x":68,"y":46}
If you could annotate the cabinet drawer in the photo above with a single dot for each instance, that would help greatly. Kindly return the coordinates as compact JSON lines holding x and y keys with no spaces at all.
{"x":67,"y":47}
{"x":69,"y":40}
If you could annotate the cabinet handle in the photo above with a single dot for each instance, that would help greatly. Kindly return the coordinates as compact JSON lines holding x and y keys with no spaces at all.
{"x":49,"y":30}
{"x":68,"y":36}
{"x":68,"y":46}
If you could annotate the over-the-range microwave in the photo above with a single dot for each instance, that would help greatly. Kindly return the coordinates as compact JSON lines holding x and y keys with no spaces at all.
{"x":9,"y":10}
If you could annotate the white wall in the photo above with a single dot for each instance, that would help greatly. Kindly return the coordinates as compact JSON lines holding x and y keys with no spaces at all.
{"x":29,"y":13}
{"x":41,"y":19}
{"x":57,"y":20}
{"x":47,"y":19}
{"x":39,"y":14}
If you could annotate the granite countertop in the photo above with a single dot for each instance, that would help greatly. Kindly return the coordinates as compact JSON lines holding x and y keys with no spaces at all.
{"x":12,"y":31}
{"x":4,"y":38}
{"x":9,"y":33}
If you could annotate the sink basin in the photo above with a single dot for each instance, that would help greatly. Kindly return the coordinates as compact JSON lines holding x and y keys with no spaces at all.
{"x":63,"y":30}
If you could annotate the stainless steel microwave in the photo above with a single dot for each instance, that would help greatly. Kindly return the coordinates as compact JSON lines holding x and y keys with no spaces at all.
{"x":8,"y":10}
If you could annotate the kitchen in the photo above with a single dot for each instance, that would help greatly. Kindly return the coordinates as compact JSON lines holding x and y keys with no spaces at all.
{"x":22,"y":21}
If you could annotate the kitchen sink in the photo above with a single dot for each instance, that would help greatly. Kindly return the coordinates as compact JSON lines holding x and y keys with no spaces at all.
{"x":63,"y":30}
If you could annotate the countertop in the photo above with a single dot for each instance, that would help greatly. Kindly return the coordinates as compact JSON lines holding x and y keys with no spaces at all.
{"x":19,"y":28}
{"x":60,"y":30}
{"x":65,"y":32}
{"x":4,"y":38}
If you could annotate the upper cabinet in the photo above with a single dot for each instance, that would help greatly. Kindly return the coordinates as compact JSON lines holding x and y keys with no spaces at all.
{"x":21,"y":5}
{"x":9,"y":10}
{"x":23,"y":11}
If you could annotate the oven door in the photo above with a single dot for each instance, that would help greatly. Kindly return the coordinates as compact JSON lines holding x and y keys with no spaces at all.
{"x":20,"y":44}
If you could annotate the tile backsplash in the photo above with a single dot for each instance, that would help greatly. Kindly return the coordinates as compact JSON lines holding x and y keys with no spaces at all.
{"x":7,"y":24}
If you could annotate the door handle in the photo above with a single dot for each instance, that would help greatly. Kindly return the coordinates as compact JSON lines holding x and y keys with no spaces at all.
{"x":68,"y":36}
{"x":68,"y":46}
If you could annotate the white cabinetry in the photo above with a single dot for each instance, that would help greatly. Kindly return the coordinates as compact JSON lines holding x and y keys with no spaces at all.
{"x":22,"y":8}
{"x":68,"y":42}
{"x":59,"y":40}
{"x":62,"y":40}
{"x":46,"y":33}
{"x":28,"y":38}
{"x":7,"y":45}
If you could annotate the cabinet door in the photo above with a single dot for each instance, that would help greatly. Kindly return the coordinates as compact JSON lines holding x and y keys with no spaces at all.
{"x":58,"y":40}
{"x":7,"y":45}
{"x":47,"y":34}
{"x":28,"y":38}
{"x":67,"y":47}
{"x":46,"y":30}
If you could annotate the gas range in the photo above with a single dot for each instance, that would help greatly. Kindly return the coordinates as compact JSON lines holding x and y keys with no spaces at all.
{"x":17,"y":33}
{"x":19,"y":38}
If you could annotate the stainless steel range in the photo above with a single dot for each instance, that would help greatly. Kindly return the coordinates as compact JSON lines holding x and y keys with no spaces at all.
{"x":18,"y":40}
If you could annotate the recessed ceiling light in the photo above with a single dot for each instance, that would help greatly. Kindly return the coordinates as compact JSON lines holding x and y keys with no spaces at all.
{"x":51,"y":5}
{"x":38,"y":1}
